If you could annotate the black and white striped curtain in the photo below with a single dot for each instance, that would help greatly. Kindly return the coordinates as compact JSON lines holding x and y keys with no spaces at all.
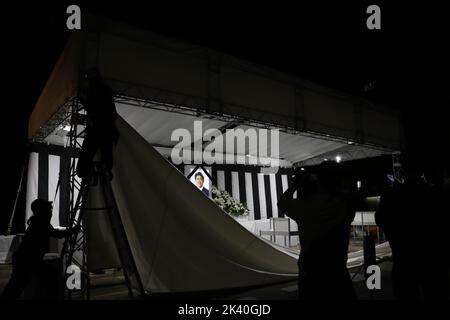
{"x":260,"y":192}
{"x":49,"y":165}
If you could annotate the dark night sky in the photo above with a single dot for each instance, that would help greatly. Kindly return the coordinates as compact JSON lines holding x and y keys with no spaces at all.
{"x":328,"y":44}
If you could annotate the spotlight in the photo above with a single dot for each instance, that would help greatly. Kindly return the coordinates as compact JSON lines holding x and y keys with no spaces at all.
{"x":338,"y":159}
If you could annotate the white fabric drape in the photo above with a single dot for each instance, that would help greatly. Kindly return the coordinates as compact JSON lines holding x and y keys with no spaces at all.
{"x":32,"y":184}
{"x":180,"y":239}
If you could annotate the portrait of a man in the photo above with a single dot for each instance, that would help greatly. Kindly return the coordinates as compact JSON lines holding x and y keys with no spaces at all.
{"x":200,"y":181}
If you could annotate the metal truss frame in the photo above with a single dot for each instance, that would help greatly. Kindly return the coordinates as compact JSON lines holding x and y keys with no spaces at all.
{"x":346,"y":152}
{"x":209,"y":108}
{"x":76,"y":243}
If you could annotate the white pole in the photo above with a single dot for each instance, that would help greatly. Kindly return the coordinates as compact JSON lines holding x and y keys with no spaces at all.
{"x":8,"y":230}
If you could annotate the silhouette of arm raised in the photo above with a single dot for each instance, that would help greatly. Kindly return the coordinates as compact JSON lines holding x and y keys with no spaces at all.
{"x":286,"y":202}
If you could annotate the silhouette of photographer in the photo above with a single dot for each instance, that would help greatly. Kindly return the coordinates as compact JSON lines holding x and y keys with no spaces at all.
{"x":419,"y":205}
{"x":28,"y":258}
{"x":324,"y":215}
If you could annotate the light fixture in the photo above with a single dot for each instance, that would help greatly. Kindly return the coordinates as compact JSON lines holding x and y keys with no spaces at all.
{"x":67,"y":128}
{"x":350,"y":142}
{"x":338,"y":159}
{"x":303,"y":169}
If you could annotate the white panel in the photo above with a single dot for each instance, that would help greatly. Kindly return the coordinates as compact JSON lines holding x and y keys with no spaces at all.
{"x":249,"y":195}
{"x":32,"y":183}
{"x":273,"y":195}
{"x":294,"y":227}
{"x":364,"y":218}
{"x":220,"y":180}
{"x":235,"y":185}
{"x":53,"y":177}
{"x":284,"y":182}
{"x":262,"y":196}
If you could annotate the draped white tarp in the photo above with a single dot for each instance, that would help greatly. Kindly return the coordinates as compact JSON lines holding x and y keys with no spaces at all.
{"x":180,"y":239}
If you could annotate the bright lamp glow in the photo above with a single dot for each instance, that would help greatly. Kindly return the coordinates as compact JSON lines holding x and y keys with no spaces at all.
{"x":338,"y":159}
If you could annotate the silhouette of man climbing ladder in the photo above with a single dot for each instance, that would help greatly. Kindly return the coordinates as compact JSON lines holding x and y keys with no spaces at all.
{"x":27,"y":260}
{"x":101,"y":131}
{"x":101,"y":136}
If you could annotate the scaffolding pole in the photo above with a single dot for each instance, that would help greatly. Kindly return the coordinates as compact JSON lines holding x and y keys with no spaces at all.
{"x":74,"y":250}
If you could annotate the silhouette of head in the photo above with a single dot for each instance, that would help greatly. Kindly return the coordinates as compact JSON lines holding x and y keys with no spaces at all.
{"x":329,"y":176}
{"x":308,"y":183}
{"x":199,"y":179}
{"x":42,"y":208}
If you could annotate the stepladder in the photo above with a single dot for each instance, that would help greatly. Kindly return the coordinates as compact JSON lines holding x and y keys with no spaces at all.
{"x":75,"y":247}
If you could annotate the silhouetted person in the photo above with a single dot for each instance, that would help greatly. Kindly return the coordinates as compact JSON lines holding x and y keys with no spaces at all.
{"x":435,"y":276}
{"x":324,"y":216}
{"x":27,"y":260}
{"x":101,"y":131}
{"x":412,"y":214}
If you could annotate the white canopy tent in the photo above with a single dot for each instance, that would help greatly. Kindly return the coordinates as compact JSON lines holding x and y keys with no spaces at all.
{"x":162,"y":84}
{"x":156,"y":126}
{"x":150,"y":71}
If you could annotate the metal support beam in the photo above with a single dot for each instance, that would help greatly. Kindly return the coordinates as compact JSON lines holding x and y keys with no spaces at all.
{"x":76,"y":243}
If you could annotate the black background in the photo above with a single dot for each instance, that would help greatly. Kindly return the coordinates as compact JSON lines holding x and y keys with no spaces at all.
{"x":327,"y":43}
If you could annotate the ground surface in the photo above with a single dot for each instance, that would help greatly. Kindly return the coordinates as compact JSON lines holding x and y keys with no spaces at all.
{"x":111,"y":286}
